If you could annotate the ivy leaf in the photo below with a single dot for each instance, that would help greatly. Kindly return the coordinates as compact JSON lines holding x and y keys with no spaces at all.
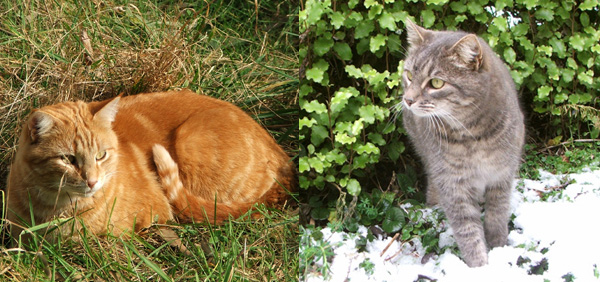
{"x":560,"y":98}
{"x":585,"y":19}
{"x":394,"y":219}
{"x":567,"y":75}
{"x":317,"y":72}
{"x":303,"y":164}
{"x":353,"y":187}
{"x":520,"y":29}
{"x":458,"y":7}
{"x":588,"y":5}
{"x":387,"y":21}
{"x":353,"y":71}
{"x":395,"y":149}
{"x":437,"y":2}
{"x":323,"y":44}
{"x":368,"y":148}
{"x":319,"y":133}
{"x":544,"y":14}
{"x":376,"y":42}
{"x":314,"y":106}
{"x":369,"y":3}
{"x":500,"y":23}
{"x":586,"y":77}
{"x":530,"y":4}
{"x":337,"y":19}
{"x":305,"y":89}
{"x":577,"y":42}
{"x":363,"y":29}
{"x":376,"y":138}
{"x":344,"y":138}
{"x":367,"y":112}
{"x":316,"y":164}
{"x":340,"y":99}
{"x":544,"y":92}
{"x":314,"y":10}
{"x":474,"y":8}
{"x":305,"y":121}
{"x":501,"y":4}
{"x":558,"y":46}
{"x":428,"y":18}
{"x":510,"y":56}
{"x":343,"y":50}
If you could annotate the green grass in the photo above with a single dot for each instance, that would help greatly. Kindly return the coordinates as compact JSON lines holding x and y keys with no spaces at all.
{"x":244,"y":52}
{"x":240,"y":250}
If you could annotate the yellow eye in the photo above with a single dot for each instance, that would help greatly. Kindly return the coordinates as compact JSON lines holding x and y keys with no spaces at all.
{"x":437,"y":83}
{"x":409,"y":75}
{"x":101,"y":155}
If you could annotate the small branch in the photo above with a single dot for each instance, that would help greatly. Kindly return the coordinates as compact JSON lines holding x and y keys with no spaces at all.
{"x":389,"y":244}
{"x":569,"y":142}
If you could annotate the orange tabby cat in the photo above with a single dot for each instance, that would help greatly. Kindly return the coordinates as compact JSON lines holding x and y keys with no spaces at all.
{"x":124,"y":163}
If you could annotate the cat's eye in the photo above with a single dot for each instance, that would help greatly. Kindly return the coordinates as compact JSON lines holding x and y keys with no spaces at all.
{"x":69,"y":159}
{"x":437,"y":83}
{"x":100,"y":155}
{"x":409,"y":75}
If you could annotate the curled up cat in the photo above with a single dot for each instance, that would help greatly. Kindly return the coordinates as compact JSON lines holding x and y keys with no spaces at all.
{"x":128,"y":162}
{"x":461,"y":112}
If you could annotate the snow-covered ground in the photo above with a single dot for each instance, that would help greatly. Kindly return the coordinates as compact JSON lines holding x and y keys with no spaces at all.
{"x":559,"y":232}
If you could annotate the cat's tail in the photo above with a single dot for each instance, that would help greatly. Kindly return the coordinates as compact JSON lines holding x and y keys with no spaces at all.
{"x":188,"y":207}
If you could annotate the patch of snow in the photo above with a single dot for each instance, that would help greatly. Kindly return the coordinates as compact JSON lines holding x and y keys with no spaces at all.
{"x":560,"y":233}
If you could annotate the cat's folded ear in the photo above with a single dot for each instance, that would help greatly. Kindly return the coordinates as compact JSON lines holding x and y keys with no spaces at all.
{"x":415,"y":35}
{"x":107,"y":112}
{"x":39,"y":123}
{"x":468,"y":52}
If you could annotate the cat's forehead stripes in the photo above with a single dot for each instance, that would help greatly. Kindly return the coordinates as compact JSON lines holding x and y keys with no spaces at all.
{"x":80,"y":119}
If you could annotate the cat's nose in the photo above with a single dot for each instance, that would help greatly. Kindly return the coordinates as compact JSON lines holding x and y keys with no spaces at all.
{"x":91,"y":183}
{"x":409,"y":101}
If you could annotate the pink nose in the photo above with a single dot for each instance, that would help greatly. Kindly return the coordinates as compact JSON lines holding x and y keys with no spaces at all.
{"x":409,"y":101}
{"x":91,"y":183}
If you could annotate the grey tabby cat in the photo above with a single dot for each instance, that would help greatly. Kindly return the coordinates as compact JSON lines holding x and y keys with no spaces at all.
{"x":462,"y":114}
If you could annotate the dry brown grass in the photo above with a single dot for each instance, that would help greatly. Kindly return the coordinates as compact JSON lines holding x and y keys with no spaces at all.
{"x":46,"y":61}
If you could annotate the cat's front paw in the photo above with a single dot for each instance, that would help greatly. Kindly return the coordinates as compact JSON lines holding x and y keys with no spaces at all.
{"x":476,"y":259}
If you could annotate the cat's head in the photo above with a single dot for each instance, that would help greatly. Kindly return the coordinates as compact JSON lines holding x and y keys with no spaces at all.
{"x":70,"y":148}
{"x":444,"y":72}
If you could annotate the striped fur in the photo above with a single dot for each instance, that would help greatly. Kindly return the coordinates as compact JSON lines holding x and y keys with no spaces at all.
{"x":468,"y":131}
{"x":125,"y":163}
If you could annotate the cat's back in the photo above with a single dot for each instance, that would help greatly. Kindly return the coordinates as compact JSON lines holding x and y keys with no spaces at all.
{"x":153,"y":118}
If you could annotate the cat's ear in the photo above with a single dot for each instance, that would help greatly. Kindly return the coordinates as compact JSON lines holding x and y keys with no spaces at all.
{"x":39,"y":123}
{"x":415,"y":34}
{"x":468,"y":52}
{"x":106,"y":115}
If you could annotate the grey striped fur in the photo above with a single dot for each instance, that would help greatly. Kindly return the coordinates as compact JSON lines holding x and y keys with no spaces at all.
{"x":469,"y":133}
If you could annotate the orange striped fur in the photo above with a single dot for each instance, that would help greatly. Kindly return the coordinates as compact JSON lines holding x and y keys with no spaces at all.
{"x":124,"y":163}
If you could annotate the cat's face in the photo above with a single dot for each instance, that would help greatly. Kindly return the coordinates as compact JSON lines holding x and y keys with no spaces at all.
{"x":71,"y":151}
{"x":440,"y":73}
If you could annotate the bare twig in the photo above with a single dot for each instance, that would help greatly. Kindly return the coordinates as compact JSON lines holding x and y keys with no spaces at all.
{"x":389,"y":244}
{"x":569,"y":142}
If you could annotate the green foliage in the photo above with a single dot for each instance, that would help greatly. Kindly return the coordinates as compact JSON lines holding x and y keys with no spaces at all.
{"x":560,"y":159}
{"x":314,"y":248}
{"x":352,"y":54}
